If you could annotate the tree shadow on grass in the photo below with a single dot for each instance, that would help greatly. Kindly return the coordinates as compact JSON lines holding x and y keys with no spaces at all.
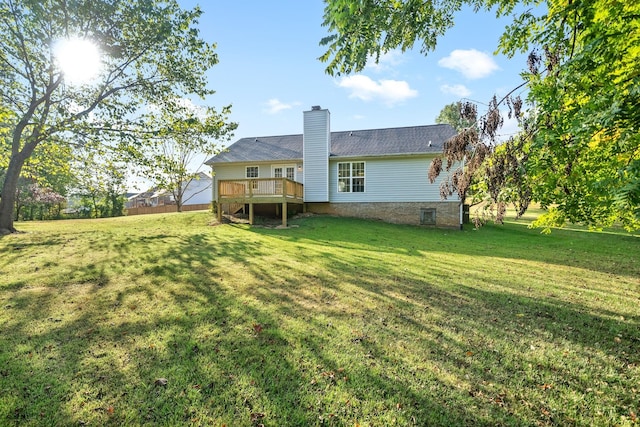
{"x":92,"y":352}
{"x":601,"y":252}
{"x":302,"y":336}
{"x":602,"y":341}
{"x":107,"y":361}
{"x":218,"y":365}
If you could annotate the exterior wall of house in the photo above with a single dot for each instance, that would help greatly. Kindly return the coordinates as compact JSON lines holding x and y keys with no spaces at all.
{"x":316,"y":141}
{"x":390,"y":180}
{"x":198,"y":192}
{"x":236,"y":171}
{"x":447,"y":213}
{"x":226,"y":172}
{"x":397,"y":190}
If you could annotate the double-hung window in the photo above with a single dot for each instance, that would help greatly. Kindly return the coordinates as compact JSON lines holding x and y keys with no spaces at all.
{"x":285,"y":171}
{"x":253,"y":172}
{"x":351,"y":177}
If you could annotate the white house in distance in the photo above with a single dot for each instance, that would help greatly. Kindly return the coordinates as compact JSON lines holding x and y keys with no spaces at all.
{"x":376,"y":174}
{"x":196,"y":192}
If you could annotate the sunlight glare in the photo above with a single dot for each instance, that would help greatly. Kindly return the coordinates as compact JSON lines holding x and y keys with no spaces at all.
{"x":78,"y":59}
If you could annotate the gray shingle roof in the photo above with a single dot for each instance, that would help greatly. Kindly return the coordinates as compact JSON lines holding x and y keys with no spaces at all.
{"x":372,"y":142}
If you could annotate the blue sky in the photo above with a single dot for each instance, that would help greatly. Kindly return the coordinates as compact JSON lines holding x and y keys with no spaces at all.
{"x":270,"y":73}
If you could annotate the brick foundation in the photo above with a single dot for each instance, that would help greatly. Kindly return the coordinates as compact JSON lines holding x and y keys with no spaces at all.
{"x":447,"y":214}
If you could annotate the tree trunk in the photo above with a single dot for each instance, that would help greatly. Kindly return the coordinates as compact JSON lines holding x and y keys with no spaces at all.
{"x":8,"y":198}
{"x":112,"y":211}
{"x":178,"y":198}
{"x":95,"y":205}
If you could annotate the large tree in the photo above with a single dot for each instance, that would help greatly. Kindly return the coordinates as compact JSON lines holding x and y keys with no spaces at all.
{"x":150,"y":51}
{"x":172,"y":157}
{"x":579,"y":151}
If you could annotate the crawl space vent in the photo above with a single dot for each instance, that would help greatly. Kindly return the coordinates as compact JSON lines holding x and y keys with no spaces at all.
{"x":427,"y":216}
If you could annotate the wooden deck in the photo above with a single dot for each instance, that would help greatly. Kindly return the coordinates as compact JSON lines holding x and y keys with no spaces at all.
{"x":258,"y":191}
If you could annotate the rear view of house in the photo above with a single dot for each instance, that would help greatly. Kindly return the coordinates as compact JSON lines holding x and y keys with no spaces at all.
{"x":375,"y":174}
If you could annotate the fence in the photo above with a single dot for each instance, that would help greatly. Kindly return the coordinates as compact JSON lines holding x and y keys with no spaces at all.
{"x":167,"y":209}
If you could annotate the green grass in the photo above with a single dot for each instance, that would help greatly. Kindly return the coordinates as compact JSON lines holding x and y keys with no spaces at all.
{"x":336,"y":322}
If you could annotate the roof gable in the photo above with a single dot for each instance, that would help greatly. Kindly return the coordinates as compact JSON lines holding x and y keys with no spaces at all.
{"x":372,"y":142}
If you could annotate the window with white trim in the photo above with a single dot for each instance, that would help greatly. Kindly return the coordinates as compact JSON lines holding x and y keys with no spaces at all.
{"x":285,"y":171}
{"x":291,"y":173}
{"x":351,"y":177}
{"x":252,"y":172}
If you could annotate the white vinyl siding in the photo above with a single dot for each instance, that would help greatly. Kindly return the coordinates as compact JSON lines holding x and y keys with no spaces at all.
{"x":316,"y":156}
{"x":239,"y":171}
{"x":198,"y":192}
{"x":391,"y":180}
{"x":386,"y":180}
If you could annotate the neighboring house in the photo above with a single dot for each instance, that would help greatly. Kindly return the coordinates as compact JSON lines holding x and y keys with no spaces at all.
{"x":151,"y":198}
{"x":162,"y":198}
{"x":139,"y":200}
{"x":197,"y":192}
{"x":376,"y":173}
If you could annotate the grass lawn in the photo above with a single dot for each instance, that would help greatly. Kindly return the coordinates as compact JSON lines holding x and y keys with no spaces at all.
{"x":165,"y":320}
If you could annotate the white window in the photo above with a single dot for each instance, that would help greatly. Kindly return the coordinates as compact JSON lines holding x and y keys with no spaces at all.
{"x":285,"y":171}
{"x":252,"y":172}
{"x":351,"y":177}
{"x":291,"y":173}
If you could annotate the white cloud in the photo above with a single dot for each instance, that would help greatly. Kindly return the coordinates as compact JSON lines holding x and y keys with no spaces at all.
{"x":458,"y":90}
{"x":387,"y":60}
{"x":389,"y":92}
{"x":472,"y":63}
{"x":198,"y":110}
{"x":274,"y":106}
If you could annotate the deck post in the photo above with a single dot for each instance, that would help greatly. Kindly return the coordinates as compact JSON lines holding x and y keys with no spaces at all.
{"x":218,"y":204}
{"x":247,"y":192}
{"x":284,"y":213}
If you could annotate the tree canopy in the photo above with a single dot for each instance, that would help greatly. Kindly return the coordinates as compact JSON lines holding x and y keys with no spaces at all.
{"x":150,"y":51}
{"x":451,"y":114}
{"x":579,"y":150}
{"x":186,"y":131}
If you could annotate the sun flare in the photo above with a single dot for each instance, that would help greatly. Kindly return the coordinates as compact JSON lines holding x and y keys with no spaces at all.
{"x":78,"y":59}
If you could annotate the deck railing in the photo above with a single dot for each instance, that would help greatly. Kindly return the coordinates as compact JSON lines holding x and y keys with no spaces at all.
{"x":256,"y":189}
